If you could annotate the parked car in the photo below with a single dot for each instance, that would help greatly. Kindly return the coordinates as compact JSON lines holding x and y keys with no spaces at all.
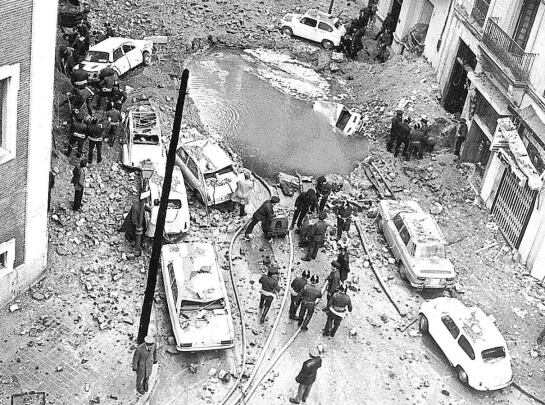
{"x":314,"y":25}
{"x":197,"y":299}
{"x":142,"y":137}
{"x":417,"y":243}
{"x":208,"y":169}
{"x":470,"y":341}
{"x":348,"y":121}
{"x":121,"y":54}
{"x":177,"y":219}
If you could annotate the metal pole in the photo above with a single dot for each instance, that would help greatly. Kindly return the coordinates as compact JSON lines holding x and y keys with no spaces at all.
{"x":139,"y":225}
{"x":330,"y":6}
{"x":158,"y":236}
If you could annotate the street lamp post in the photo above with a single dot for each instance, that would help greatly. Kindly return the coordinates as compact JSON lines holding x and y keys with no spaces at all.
{"x":146,"y":170}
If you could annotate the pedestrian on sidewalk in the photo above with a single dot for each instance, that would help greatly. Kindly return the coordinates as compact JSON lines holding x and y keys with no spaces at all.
{"x":264,"y":214}
{"x":241,"y":196}
{"x":343,"y":259}
{"x":337,"y":306}
{"x":52,"y":174}
{"x":344,"y":216}
{"x":307,"y":375}
{"x":310,"y":296}
{"x":397,"y":121}
{"x":78,"y":180}
{"x":316,"y":235}
{"x":297,"y":286}
{"x":333,"y":280}
{"x":461,"y":136}
{"x":323,"y":190}
{"x":306,"y":202}
{"x":403,"y":138}
{"x":269,"y":290}
{"x":145,"y":356}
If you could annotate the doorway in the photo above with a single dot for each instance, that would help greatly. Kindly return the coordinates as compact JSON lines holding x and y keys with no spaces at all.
{"x":456,"y":92}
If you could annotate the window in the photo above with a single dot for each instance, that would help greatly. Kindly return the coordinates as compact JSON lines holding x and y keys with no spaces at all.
{"x":466,"y":347}
{"x":311,"y":22}
{"x":325,"y":27}
{"x":9,"y":87}
{"x":494,"y":353}
{"x":424,"y":251}
{"x":451,"y":326}
{"x":118,"y":53}
{"x":173,"y":285}
{"x":405,"y":237}
{"x":398,"y":222}
{"x":127,"y":48}
{"x":7,"y":256}
{"x":182,"y":154}
{"x":95,"y":56}
{"x":191,"y":165}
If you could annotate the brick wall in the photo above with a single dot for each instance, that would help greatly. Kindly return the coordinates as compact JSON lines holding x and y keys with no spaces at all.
{"x":15,"y":47}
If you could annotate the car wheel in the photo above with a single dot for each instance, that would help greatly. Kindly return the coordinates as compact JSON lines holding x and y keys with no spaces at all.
{"x":146,"y":58}
{"x":326,"y":44}
{"x":287,"y":31}
{"x":462,"y":375}
{"x":423,"y":324}
{"x":402,"y":270}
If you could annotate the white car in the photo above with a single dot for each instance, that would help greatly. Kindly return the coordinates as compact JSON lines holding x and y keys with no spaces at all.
{"x":417,"y":244}
{"x":314,"y":25}
{"x":142,"y":137}
{"x":197,"y":299}
{"x":348,"y":121}
{"x":120,"y":54}
{"x":208,"y":169}
{"x":177,"y":218}
{"x":470,"y":341}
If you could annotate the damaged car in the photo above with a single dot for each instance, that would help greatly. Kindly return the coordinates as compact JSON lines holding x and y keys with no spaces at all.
{"x":347,"y":121}
{"x":197,"y":299}
{"x":314,"y":25}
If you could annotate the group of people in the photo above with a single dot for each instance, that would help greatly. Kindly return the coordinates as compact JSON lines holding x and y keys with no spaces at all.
{"x":409,"y":139}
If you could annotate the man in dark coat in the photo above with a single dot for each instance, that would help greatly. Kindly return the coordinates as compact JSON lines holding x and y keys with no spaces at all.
{"x":78,"y":132}
{"x":117,"y":97}
{"x":461,"y":136}
{"x":307,"y":375}
{"x":263,"y":214}
{"x":333,"y":280}
{"x":52,"y":174}
{"x":403,"y":137}
{"x":323,"y":190}
{"x":316,"y":235}
{"x":306,"y":202}
{"x":337,"y":306}
{"x":365,"y":15}
{"x":389,"y":24}
{"x":416,"y":143}
{"x":131,"y":222}
{"x":309,"y":296}
{"x":344,"y":216}
{"x":269,"y":290}
{"x":145,"y":356}
{"x":297,"y":286}
{"x":95,"y":134}
{"x":344,"y":262}
{"x":78,"y":180}
{"x":397,"y":121}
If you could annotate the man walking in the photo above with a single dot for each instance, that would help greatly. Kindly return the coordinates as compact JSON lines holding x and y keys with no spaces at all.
{"x":94,"y":131}
{"x":344,"y":262}
{"x":269,"y":290}
{"x":309,"y":296}
{"x":397,"y":121}
{"x":145,"y":356}
{"x":78,"y":180}
{"x":264,"y":214}
{"x":297,"y":286}
{"x":316,"y":235}
{"x":306,"y":202}
{"x":461,"y":136}
{"x":337,"y":306}
{"x":241,"y":196}
{"x":307,"y":375}
{"x":344,"y":216}
{"x":333,"y":280}
{"x":323,"y":190}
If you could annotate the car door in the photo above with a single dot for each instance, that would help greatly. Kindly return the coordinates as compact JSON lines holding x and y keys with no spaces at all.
{"x":446,"y":335}
{"x":392,"y":236}
{"x":194,"y":174}
{"x":306,"y":28}
{"x":324,"y":31}
{"x":467,"y":355}
{"x":120,"y":61}
{"x":181,"y":160}
{"x":133,"y":55}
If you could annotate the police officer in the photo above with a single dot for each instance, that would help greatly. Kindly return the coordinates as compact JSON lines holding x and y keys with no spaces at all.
{"x":94,"y":132}
{"x":316,"y":235}
{"x":323,"y":190}
{"x":297,"y":285}
{"x":114,"y":120}
{"x":344,"y":216}
{"x":333,"y":280}
{"x":264,"y":214}
{"x":78,"y":133}
{"x":403,"y":137}
{"x":337,"y":306}
{"x":397,"y":121}
{"x":305,"y":202}
{"x":344,"y":261}
{"x":309,"y":296}
{"x":416,"y":142}
{"x":269,"y":290}
{"x":117,"y":97}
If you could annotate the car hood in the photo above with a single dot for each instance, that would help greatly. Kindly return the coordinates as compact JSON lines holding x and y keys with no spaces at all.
{"x":139,"y":153}
{"x":222,"y":191}
{"x":93,"y":66}
{"x":434,"y":267}
{"x":209,"y":330}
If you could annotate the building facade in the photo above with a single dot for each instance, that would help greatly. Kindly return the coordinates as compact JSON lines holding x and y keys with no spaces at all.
{"x":27,"y":46}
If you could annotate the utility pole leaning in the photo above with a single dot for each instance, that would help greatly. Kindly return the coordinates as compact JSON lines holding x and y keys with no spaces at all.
{"x":158,"y":236}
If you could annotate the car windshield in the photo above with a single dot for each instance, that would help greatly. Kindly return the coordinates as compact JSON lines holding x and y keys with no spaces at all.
{"x":494,"y":353}
{"x":188,"y":305}
{"x":213,"y":175}
{"x":97,"y":57}
{"x":429,"y":251}
{"x":146,"y":139}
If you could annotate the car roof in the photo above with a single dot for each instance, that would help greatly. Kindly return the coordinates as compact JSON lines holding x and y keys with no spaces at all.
{"x":144,"y":119}
{"x":195,"y":269}
{"x":209,"y":156}
{"x":476,"y":326}
{"x":422,"y":228}
{"x":109,"y":44}
{"x":393,"y":207}
{"x":320,"y":15}
{"x":177,"y":184}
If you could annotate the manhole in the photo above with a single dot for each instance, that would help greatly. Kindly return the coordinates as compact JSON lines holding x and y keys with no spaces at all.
{"x":28,"y":398}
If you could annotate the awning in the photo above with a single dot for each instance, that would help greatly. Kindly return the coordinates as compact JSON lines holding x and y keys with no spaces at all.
{"x":530,"y":118}
{"x":491,"y":93}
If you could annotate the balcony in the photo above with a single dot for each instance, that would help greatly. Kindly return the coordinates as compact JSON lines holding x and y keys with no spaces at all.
{"x":479,"y":11}
{"x":508,"y":51}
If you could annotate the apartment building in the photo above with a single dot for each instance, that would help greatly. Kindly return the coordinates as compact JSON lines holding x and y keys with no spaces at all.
{"x":27,"y":46}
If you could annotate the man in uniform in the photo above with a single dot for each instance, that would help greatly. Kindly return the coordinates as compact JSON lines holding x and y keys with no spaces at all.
{"x":416,"y":143}
{"x":263,"y":214}
{"x":344,"y":216}
{"x":461,"y":136}
{"x":114,"y":120}
{"x":344,"y":261}
{"x":305,"y":202}
{"x":117,"y":97}
{"x":333,"y":280}
{"x":337,"y":306}
{"x":307,"y":375}
{"x":323,"y":190}
{"x":309,"y":296}
{"x":297,"y":285}
{"x":403,"y":137}
{"x":94,"y":131}
{"x":269,"y":290}
{"x":317,"y":236}
{"x":78,"y":132}
{"x":145,"y":356}
{"x":397,"y":121}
